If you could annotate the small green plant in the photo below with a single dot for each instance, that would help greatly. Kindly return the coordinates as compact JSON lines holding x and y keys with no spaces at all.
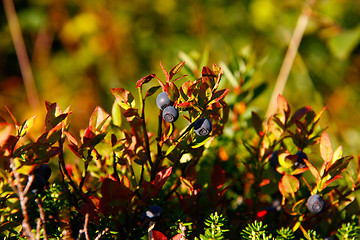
{"x":214,"y":229}
{"x":350,"y":230}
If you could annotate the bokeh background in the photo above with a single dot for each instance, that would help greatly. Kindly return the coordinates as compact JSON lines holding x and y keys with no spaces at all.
{"x":80,"y":49}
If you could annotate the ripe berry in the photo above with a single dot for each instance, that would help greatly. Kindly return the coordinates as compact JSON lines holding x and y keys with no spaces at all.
{"x":170,"y":114}
{"x":163,"y":100}
{"x":202,"y":127}
{"x":154,"y":212}
{"x":315,"y":203}
{"x":44,"y":171}
{"x":37,"y":184}
{"x":274,"y":159}
{"x":300,"y":162}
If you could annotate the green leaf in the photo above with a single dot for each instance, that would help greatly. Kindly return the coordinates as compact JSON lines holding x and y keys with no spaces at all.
{"x":199,"y":141}
{"x":326,"y":150}
{"x":172,"y":91}
{"x":116,"y":114}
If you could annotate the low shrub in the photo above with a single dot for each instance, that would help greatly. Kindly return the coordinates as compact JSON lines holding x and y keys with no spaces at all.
{"x":212,"y":170}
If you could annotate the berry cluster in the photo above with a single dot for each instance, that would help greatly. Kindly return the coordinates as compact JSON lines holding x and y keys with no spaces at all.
{"x":202,"y":127}
{"x":41,"y":177}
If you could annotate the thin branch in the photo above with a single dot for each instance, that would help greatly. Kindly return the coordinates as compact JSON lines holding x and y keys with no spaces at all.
{"x":85,"y":229}
{"x":42,"y":217}
{"x":18,"y":189}
{"x":290,"y":56}
{"x":21,"y":53}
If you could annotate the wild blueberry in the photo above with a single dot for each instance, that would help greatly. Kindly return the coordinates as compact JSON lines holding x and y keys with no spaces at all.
{"x":37,"y":184}
{"x":44,"y":171}
{"x":170,"y":114}
{"x":163,"y":100}
{"x":154,"y":212}
{"x":300,"y":162}
{"x":315,"y":203}
{"x":274,"y":159}
{"x":202,"y":127}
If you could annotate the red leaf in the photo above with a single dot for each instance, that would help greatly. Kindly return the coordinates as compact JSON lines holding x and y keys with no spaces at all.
{"x":326,"y":150}
{"x":179,"y":236}
{"x":184,"y":105}
{"x":75,"y":149}
{"x":208,"y":76}
{"x":161,"y":177}
{"x":130,"y":112}
{"x":219,"y":95}
{"x":176,"y":69}
{"x":218,"y":177}
{"x":330,"y":181}
{"x":146,"y":79}
{"x":158,"y":235}
{"x":165,"y":73}
{"x":283,"y":106}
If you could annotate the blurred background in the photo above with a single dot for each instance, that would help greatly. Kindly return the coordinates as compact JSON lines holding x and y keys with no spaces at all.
{"x":80,"y":49}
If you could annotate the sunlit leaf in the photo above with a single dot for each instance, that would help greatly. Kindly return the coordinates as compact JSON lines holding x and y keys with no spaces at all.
{"x":116,"y":114}
{"x":313,"y":170}
{"x":158,"y":235}
{"x":5,"y":130}
{"x":123,"y":97}
{"x":26,"y":126}
{"x":283,"y":107}
{"x":326,"y":150}
{"x":99,"y":119}
{"x":288,"y":185}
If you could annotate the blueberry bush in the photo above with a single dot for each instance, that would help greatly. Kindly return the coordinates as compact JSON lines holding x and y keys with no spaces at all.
{"x":209,"y":171}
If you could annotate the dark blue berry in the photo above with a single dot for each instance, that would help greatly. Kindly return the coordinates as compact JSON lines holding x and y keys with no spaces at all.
{"x":170,"y":114}
{"x":315,"y":203}
{"x":44,"y":171}
{"x":154,"y":212}
{"x":274,"y":159}
{"x":38,"y":183}
{"x":202,"y":127}
{"x":163,"y":100}
{"x":300,"y":162}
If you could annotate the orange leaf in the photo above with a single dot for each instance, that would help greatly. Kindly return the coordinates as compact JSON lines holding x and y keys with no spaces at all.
{"x":313,"y":169}
{"x":288,"y":185}
{"x":326,"y":150}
